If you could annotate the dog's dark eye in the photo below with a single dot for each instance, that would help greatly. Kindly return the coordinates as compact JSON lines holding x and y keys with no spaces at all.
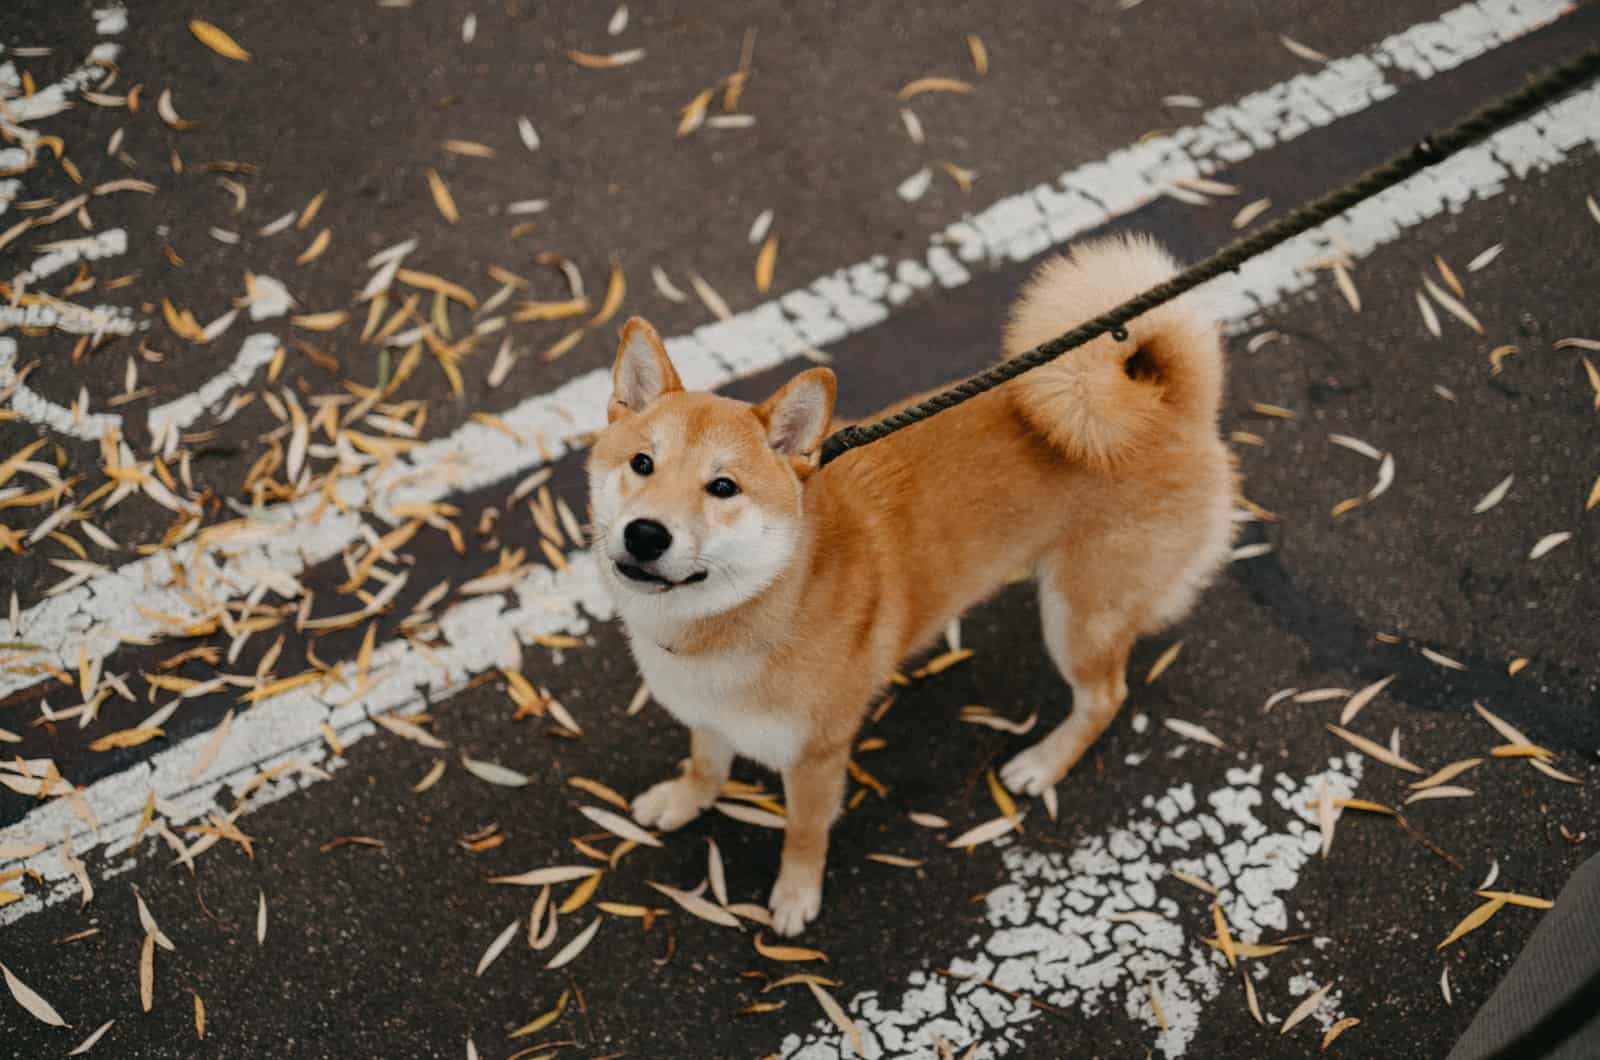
{"x":642,"y":464}
{"x":722,"y":487}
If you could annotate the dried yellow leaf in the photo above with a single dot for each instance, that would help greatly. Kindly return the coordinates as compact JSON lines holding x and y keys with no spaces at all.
{"x":125,"y":738}
{"x":1165,"y":660}
{"x":766,"y":261}
{"x":1474,"y":920}
{"x":788,"y":953}
{"x":980,"y":54}
{"x":934,"y":84}
{"x":599,"y":790}
{"x":218,"y":41}
{"x":1343,"y":1025}
{"x":616,"y":289}
{"x":442,"y":199}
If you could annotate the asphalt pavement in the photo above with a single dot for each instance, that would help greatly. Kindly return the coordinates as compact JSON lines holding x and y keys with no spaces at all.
{"x":359,"y":500}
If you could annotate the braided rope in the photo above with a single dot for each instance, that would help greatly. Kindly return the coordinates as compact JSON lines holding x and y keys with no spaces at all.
{"x":1430,"y":151}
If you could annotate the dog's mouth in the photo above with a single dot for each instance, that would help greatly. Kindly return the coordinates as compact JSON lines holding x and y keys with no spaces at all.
{"x":639,"y":574}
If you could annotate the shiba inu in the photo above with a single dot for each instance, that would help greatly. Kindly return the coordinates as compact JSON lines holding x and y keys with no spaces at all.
{"x":767,"y":600}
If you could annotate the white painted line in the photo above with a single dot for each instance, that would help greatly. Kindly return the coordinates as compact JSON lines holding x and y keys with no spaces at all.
{"x":842,"y":303}
{"x":1049,"y":936}
{"x":53,"y":99}
{"x":482,"y":636}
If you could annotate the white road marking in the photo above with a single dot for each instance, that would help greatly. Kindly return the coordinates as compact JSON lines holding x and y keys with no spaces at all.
{"x":1049,"y":937}
{"x":53,"y":99}
{"x":847,"y":301}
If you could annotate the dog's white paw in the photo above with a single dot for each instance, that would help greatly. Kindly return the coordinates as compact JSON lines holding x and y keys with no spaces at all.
{"x":795,"y":903}
{"x":671,"y":804}
{"x":1032,"y":771}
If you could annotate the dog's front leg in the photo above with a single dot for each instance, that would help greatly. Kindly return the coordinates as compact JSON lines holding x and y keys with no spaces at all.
{"x":813,"y":789}
{"x":674,"y":803}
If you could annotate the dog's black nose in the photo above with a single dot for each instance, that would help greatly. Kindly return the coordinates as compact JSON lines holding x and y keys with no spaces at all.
{"x":646,"y":539}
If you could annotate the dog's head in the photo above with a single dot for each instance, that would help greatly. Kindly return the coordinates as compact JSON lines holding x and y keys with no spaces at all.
{"x":696,"y":499}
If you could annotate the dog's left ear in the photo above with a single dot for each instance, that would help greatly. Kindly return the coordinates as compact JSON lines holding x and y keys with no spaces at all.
{"x":798,"y":416}
{"x":642,"y":371}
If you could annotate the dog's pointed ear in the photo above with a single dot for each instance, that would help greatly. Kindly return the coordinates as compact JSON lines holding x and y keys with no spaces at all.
{"x":798,"y":416}
{"x":642,"y":371}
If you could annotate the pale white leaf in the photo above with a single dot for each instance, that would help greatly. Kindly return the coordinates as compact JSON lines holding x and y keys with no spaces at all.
{"x":553,"y":874}
{"x":568,"y":953}
{"x":1190,"y":731}
{"x":151,"y":928}
{"x":37,"y":1006}
{"x":695,"y":905}
{"x":1304,"y":1009}
{"x":1494,"y":496}
{"x":498,"y":946}
{"x":491,"y":773}
{"x":93,"y":1039}
{"x":987,"y":832}
{"x":1548,"y":542}
{"x":619,"y":826}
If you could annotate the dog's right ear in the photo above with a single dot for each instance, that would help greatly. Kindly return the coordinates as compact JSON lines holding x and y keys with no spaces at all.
{"x":642,"y":372}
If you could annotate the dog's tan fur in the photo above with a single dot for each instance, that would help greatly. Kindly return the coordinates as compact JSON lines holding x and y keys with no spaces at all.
{"x":1101,"y":472}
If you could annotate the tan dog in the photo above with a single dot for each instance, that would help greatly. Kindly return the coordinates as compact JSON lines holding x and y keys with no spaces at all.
{"x":767,"y":602}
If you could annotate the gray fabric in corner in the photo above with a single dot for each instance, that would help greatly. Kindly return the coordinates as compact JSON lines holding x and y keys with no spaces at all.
{"x":1548,"y":1005}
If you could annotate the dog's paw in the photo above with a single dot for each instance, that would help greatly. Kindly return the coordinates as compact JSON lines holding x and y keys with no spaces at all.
{"x":795,"y":903}
{"x":1032,"y":771}
{"x":671,"y":804}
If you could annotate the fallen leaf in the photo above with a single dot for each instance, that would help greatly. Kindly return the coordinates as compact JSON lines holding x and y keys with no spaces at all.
{"x":600,"y":791}
{"x":1374,"y":750}
{"x":125,"y":738}
{"x":591,"y":61}
{"x":1473,"y":920}
{"x":933,"y":84}
{"x":1494,"y":496}
{"x":37,"y":1007}
{"x":1446,"y":773}
{"x":984,"y":833}
{"x":1526,"y":901}
{"x":553,"y":874}
{"x":1549,"y":542}
{"x":1304,"y":1009}
{"x":442,"y":199}
{"x":497,"y":947}
{"x":695,"y":905}
{"x":837,"y":1015}
{"x":93,"y":1039}
{"x":569,"y":953}
{"x":1165,"y":660}
{"x":1190,"y":731}
{"x":218,"y":41}
{"x":766,"y":261}
{"x":1355,"y":703}
{"x":491,"y":773}
{"x":619,"y":826}
{"x":787,"y":953}
{"x":147,"y":973}
{"x":1333,"y":1032}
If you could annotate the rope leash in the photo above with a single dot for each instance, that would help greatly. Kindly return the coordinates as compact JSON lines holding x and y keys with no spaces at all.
{"x":1429,"y":152}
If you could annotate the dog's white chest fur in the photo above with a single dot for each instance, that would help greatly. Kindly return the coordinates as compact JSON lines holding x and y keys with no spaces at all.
{"x":717,"y":692}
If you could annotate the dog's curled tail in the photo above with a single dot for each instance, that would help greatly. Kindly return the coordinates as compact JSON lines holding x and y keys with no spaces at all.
{"x":1106,"y":401}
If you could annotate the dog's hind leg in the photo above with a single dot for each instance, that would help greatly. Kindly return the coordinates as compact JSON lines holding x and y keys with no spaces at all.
{"x":814,"y":789}
{"x":1090,"y":647}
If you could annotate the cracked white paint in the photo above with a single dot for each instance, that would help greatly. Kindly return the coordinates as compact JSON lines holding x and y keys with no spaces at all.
{"x":852,"y":299}
{"x":1049,"y":937}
